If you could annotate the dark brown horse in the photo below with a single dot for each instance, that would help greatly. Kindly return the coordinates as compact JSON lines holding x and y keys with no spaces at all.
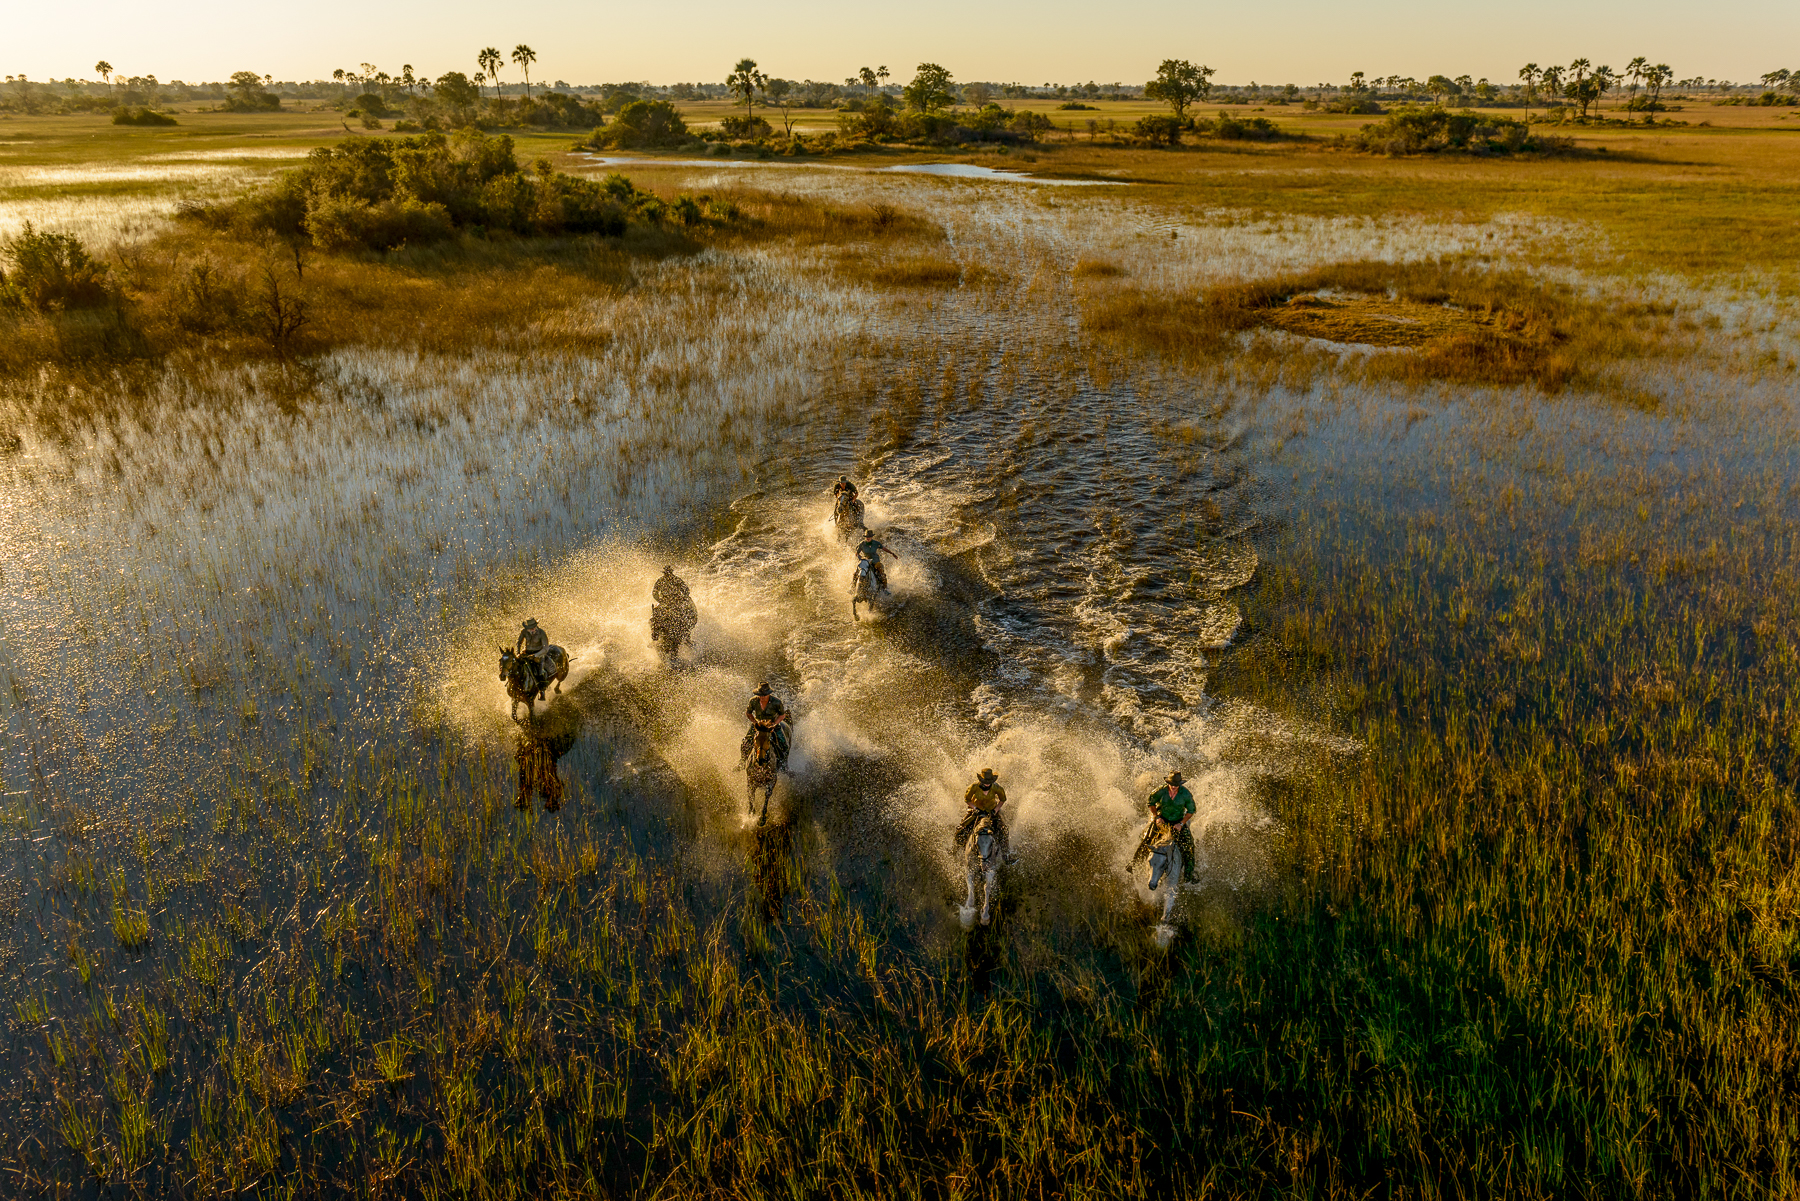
{"x":525,"y":681}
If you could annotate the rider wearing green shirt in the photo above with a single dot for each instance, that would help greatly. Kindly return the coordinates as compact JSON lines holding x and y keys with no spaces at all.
{"x":871,"y":548}
{"x":1173,"y":806}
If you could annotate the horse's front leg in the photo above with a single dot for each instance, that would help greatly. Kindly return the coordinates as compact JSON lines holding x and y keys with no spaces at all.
{"x":987,"y":894}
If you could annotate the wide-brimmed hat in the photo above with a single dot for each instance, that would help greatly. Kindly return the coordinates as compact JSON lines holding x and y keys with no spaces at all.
{"x":764,"y":691}
{"x":1174,"y":778}
{"x":986,"y":775}
{"x":668,"y":570}
{"x":531,"y":623}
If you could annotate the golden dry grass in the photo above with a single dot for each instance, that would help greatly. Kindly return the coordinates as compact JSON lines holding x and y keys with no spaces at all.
{"x":1446,"y":321}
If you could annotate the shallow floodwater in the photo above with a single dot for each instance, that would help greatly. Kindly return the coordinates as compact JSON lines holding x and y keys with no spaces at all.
{"x":944,"y":170}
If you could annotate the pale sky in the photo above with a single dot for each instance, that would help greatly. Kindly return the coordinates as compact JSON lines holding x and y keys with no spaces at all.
{"x":1031,"y":41}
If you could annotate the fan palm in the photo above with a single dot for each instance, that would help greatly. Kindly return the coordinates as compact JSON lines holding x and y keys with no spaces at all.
{"x":524,"y":55}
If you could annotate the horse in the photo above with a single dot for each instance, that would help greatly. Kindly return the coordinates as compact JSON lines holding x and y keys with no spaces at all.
{"x":847,"y":515}
{"x":1168,"y":867}
{"x":867,"y":589}
{"x":982,"y":859}
{"x":522,"y":678}
{"x":759,"y":770}
{"x":672,"y":625}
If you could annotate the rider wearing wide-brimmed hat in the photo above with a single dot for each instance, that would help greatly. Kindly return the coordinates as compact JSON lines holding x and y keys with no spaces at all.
{"x":871,"y":548}
{"x":766,"y":710}
{"x":984,"y":799}
{"x":531,"y":644}
{"x":1173,"y":806}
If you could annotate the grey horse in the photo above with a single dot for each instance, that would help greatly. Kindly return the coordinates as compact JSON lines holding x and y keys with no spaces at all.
{"x":1167,"y":865}
{"x":982,"y":860}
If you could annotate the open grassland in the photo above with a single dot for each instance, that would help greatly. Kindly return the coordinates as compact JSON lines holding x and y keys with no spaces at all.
{"x":1521,"y":606}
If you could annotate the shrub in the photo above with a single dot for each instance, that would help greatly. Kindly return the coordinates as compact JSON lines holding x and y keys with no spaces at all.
{"x":644,"y":124}
{"x":744,"y":129}
{"x":50,"y":271}
{"x":125,"y":115}
{"x":1160,"y":130}
{"x":1434,"y":130}
{"x":371,"y":104}
{"x":344,"y":222}
{"x":380,"y":193}
{"x":1240,"y":129}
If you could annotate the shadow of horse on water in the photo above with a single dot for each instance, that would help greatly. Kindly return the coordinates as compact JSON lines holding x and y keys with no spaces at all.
{"x":543,"y":741}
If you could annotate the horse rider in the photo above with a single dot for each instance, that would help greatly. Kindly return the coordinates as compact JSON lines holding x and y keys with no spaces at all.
{"x":1173,"y":804}
{"x":843,"y":488}
{"x":532,"y":644}
{"x":870,"y":548}
{"x":671,"y":592}
{"x":984,"y":799}
{"x":765,"y":710}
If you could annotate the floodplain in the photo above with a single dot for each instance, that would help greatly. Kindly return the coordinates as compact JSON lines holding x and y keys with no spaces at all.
{"x":1436,"y":516}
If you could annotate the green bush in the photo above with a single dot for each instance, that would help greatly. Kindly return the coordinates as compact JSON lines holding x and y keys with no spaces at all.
{"x":1240,"y":129}
{"x":1160,"y":130}
{"x":380,"y":193}
{"x":50,"y":271}
{"x":1435,"y":130}
{"x":125,"y":115}
{"x":642,"y":125}
{"x":370,"y":103}
{"x":344,"y":223}
{"x":745,"y":129}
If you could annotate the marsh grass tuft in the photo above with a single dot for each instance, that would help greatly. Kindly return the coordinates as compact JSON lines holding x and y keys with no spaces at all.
{"x":1455,"y":322}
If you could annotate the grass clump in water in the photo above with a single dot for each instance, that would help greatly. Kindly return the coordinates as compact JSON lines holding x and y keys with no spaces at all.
{"x":1455,"y":323}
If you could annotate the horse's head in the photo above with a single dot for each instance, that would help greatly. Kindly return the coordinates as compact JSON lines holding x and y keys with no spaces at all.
{"x":762,"y":744}
{"x":985,"y":839}
{"x":507,"y":659}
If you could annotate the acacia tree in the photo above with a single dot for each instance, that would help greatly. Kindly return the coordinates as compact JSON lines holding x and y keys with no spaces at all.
{"x":1179,"y":83}
{"x":747,"y":81}
{"x":524,"y":55}
{"x":780,"y":93}
{"x":489,"y":63}
{"x":929,"y":89}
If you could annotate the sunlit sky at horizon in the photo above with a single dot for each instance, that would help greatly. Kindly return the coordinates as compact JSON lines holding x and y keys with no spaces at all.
{"x":1301,"y":41}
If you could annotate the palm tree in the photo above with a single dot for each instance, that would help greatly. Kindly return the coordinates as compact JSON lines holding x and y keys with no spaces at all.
{"x":1604,"y":79}
{"x":1634,"y":71}
{"x":746,"y":81}
{"x":1529,"y":73}
{"x":1580,"y":66}
{"x":1654,"y":80}
{"x":408,"y":78}
{"x":524,"y":55}
{"x":489,"y":62}
{"x":1553,"y":81}
{"x":104,"y":70}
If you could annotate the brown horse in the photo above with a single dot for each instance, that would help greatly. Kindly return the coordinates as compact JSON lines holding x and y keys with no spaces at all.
{"x":759,"y":770}
{"x":523,"y":681}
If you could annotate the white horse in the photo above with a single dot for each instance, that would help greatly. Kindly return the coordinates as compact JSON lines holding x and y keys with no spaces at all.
{"x":982,"y":858}
{"x":868,"y":590}
{"x":1168,"y":868}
